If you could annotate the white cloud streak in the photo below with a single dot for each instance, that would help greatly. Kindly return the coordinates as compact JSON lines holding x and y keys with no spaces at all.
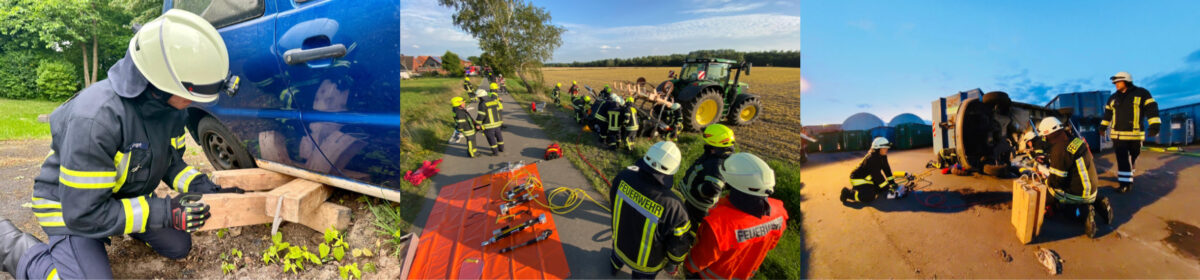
{"x":747,"y":32}
{"x":727,"y":8}
{"x":426,"y":23}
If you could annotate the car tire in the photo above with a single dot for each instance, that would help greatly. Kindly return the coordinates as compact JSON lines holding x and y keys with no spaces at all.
{"x":709,"y":103}
{"x":223,"y":150}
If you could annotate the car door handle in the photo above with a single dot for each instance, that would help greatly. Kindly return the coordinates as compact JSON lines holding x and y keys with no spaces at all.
{"x":298,"y":56}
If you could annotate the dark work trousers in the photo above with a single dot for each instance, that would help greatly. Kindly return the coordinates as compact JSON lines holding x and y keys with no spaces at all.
{"x":495,"y":138}
{"x":866,"y":193}
{"x":77,"y":257}
{"x":617,"y":264}
{"x":470,"y":137}
{"x":1127,"y":154}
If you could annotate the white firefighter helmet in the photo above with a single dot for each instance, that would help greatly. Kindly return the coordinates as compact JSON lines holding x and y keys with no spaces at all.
{"x":1049,"y":125}
{"x":182,"y":54}
{"x":664,"y":157}
{"x":880,"y":143}
{"x":748,"y":174}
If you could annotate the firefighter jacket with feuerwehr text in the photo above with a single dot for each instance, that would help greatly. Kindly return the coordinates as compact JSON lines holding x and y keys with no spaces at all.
{"x":1072,"y":176}
{"x":649,"y":225}
{"x":488,"y":112}
{"x":732,"y":244}
{"x":111,"y":146}
{"x":1125,"y":110}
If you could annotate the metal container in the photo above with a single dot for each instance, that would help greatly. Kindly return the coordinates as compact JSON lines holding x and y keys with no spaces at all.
{"x":885,"y":132}
{"x":1188,"y":112}
{"x":1087,"y":110}
{"x":913,"y":135}
{"x":830,"y":141}
{"x":856,"y":140}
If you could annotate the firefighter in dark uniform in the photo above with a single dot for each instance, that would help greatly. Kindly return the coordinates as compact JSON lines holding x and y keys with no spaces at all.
{"x":740,"y":230}
{"x":488,"y":115}
{"x":629,"y":124}
{"x":607,"y":119}
{"x":649,"y":225}
{"x":111,"y":147}
{"x":1072,"y":177}
{"x":702,"y":185}
{"x":873,"y":176}
{"x":465,"y":124}
{"x":1123,"y":113}
{"x":581,"y":107}
{"x":467,"y":86}
{"x":574,"y":90}
{"x":555,"y":93}
{"x":673,"y":119}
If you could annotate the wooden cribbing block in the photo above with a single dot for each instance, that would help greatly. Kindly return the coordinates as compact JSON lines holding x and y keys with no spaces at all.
{"x":358,"y":187}
{"x":250,"y":179}
{"x":300,"y":197}
{"x":326,"y":215}
{"x":233,"y":210}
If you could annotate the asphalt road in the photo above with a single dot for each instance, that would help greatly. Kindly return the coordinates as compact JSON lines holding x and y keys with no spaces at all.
{"x":906,"y":239}
{"x":585,"y":232}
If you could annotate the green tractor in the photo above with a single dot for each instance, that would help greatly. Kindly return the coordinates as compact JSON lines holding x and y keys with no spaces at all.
{"x":707,"y":93}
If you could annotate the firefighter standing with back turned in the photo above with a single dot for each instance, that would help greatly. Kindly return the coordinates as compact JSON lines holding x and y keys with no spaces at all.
{"x":111,"y":147}
{"x":702,"y":185}
{"x":738,"y":233}
{"x":649,"y":225}
{"x":1072,"y":177}
{"x":629,"y":123}
{"x":465,"y":124}
{"x":488,"y":115}
{"x":1123,"y":113}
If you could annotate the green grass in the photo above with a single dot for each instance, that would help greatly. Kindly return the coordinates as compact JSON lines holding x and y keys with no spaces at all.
{"x":18,"y":119}
{"x":425,"y":111}
{"x":782,"y":263}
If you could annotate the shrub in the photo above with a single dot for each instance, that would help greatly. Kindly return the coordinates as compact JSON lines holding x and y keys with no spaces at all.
{"x":56,"y":80}
{"x":17,"y":77}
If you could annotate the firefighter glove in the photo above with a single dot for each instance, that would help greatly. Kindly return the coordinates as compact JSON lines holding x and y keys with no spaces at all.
{"x":1153,"y":129}
{"x":187,"y":212}
{"x":233,"y":189}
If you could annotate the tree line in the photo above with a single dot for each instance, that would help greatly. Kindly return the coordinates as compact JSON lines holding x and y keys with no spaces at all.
{"x":780,"y":58}
{"x":51,"y":49}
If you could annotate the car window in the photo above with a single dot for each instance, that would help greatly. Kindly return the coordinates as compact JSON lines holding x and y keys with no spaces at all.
{"x":223,"y":13}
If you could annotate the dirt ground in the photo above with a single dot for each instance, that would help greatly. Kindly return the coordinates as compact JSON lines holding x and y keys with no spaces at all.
{"x":20,"y":161}
{"x":777,"y":129}
{"x":968,"y":234}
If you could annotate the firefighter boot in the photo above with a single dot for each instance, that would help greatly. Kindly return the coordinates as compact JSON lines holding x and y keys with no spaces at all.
{"x":1089,"y":221}
{"x":847,"y":195}
{"x":13,"y":244}
{"x":1104,"y":210}
{"x":1125,"y":187}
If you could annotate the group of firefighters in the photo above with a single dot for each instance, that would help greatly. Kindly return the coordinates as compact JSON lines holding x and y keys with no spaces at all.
{"x":1065,"y":160}
{"x":615,"y":119}
{"x":487,"y":117}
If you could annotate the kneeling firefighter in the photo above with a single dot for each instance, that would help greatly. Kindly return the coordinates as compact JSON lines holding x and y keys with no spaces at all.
{"x":1072,"y":179}
{"x":873,"y":176}
{"x":112,"y":145}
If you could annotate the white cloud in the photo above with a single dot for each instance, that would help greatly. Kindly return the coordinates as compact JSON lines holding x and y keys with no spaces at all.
{"x":426,"y":23}
{"x":747,"y":32}
{"x":727,"y":8}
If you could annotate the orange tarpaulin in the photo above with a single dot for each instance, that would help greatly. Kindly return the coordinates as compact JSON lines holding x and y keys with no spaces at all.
{"x":464,"y":216}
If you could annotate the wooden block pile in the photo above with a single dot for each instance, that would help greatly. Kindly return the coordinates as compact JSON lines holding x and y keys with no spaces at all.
{"x":297,"y":200}
{"x":1028,"y":211}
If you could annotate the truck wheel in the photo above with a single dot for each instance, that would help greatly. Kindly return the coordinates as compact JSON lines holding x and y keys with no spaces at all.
{"x":745,"y":112}
{"x":704,"y":110}
{"x":221,"y":147}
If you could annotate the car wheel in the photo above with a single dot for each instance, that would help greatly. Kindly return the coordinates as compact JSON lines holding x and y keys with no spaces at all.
{"x":222,"y":148}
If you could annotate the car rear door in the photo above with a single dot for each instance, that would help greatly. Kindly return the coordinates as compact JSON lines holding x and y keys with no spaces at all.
{"x":342,"y":61}
{"x":263,"y":115}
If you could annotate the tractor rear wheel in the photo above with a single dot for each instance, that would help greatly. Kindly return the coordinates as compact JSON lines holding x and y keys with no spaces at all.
{"x":704,"y":110}
{"x":745,"y":112}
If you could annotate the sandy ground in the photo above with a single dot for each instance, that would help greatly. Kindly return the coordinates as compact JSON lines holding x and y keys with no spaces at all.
{"x":20,"y":162}
{"x":1153,"y":234}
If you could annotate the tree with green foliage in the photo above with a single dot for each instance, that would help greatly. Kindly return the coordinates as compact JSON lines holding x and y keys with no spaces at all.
{"x":514,"y":34}
{"x":66,"y":26}
{"x":56,"y":79}
{"x":475,"y":60}
{"x":452,"y":64}
{"x":759,"y":58}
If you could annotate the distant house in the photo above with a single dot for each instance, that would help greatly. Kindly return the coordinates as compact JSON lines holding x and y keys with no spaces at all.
{"x":423,"y":64}
{"x":407,"y":63}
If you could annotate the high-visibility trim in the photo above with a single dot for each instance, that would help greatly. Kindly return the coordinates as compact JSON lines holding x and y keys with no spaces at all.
{"x":50,"y":219}
{"x":1137,"y":111}
{"x":856,"y":182}
{"x":1149,"y":101}
{"x":86,"y":179}
{"x":679,"y":231}
{"x":1067,"y":198}
{"x":121,"y":161}
{"x":675,"y":258}
{"x":179,"y":142}
{"x":614,"y":122}
{"x":1123,"y":173}
{"x":42,"y":203}
{"x":137,"y":213}
{"x":648,"y":231}
{"x":1058,"y":172}
{"x":1128,"y":135}
{"x":1125,"y":179}
{"x":1154,"y":120}
{"x":1105,"y":123}
{"x":184,"y":179}
{"x":1084,"y":177}
{"x":1074,"y":146}
{"x":53,"y":274}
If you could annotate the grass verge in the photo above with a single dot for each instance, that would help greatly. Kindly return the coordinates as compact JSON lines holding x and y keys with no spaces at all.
{"x":424,"y":109}
{"x":18,"y":118}
{"x":782,"y":263}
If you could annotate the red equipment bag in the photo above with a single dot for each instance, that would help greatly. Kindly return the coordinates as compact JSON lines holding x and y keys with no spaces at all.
{"x":553,"y":151}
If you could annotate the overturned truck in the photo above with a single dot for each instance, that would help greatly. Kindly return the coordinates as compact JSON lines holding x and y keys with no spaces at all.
{"x":986,"y":132}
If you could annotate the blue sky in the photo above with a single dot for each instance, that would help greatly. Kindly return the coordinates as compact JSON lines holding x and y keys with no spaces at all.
{"x":608,"y":29}
{"x":893,"y":57}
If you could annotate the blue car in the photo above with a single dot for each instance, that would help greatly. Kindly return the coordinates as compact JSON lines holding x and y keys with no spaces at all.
{"x":319,"y":89}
